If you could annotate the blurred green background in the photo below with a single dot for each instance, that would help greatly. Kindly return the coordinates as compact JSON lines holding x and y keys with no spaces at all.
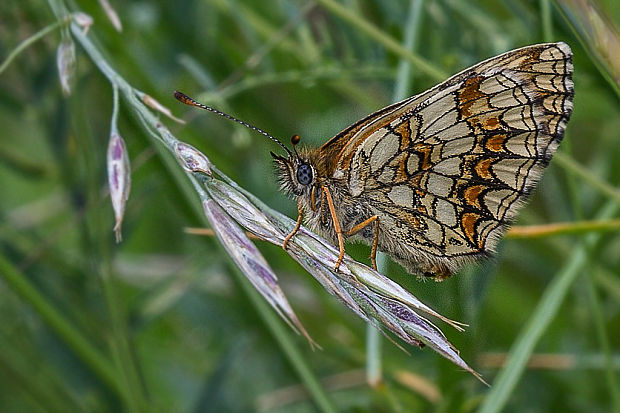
{"x":161,"y":322}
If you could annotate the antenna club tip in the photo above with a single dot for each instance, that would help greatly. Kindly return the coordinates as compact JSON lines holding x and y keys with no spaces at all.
{"x":182,"y":97}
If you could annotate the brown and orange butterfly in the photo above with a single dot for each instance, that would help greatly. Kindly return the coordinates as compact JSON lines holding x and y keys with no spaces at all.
{"x":435,"y":180}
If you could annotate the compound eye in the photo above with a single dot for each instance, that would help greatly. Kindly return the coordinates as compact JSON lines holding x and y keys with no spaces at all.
{"x":304,"y":174}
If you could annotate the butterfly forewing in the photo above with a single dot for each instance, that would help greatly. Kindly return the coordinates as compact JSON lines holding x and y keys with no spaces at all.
{"x":445,"y":171}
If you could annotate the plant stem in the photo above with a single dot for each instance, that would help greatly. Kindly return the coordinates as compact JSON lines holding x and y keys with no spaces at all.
{"x":545,"y":16}
{"x":562,"y":228}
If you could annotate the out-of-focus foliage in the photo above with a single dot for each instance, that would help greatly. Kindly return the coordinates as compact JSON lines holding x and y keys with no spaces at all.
{"x":162,"y":322}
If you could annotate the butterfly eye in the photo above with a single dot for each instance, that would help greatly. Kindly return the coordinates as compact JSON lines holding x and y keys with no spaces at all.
{"x":304,"y":174}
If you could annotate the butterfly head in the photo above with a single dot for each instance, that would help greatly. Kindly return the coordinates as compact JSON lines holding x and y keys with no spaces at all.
{"x":296,"y":172}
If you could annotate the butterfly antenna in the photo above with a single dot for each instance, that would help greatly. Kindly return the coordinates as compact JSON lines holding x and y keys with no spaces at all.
{"x":181,"y":97}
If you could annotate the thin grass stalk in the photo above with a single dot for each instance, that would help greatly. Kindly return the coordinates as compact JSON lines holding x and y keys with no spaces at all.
{"x":296,"y":76}
{"x":262,"y":26}
{"x":265,"y":29}
{"x":43,"y":389}
{"x":554,"y":361}
{"x":573,"y":193}
{"x":547,"y":22}
{"x":562,"y":228}
{"x":126,"y":363}
{"x":609,"y":282}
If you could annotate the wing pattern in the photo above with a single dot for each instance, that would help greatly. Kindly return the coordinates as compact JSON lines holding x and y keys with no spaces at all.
{"x":447,"y":170}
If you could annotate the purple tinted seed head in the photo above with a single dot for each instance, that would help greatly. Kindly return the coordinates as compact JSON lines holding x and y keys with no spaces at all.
{"x":402,"y":312}
{"x":260,"y":269}
{"x":117,"y":149}
{"x":115,"y":182}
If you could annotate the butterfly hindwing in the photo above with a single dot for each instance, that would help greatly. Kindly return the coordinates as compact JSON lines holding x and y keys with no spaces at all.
{"x":447,"y":170}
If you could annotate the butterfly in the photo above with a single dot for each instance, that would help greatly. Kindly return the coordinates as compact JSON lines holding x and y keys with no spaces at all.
{"x":435,"y":180}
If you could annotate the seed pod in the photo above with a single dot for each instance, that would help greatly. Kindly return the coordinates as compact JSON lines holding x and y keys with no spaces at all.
{"x":192,"y":159}
{"x":119,"y":179}
{"x":65,"y":59}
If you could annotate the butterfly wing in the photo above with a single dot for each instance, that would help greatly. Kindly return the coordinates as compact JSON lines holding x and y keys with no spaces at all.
{"x":447,"y":170}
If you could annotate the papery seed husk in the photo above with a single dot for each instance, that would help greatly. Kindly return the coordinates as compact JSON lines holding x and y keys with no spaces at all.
{"x":65,"y":60}
{"x":119,"y":179}
{"x":193,"y":160}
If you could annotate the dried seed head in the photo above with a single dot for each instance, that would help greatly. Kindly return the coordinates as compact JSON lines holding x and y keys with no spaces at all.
{"x":192,"y":159}
{"x":252,"y":263}
{"x":372,"y":296}
{"x":119,"y":179}
{"x":65,"y":59}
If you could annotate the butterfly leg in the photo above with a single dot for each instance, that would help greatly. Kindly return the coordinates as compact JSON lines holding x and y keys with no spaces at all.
{"x":313,"y":199}
{"x":300,"y":214}
{"x":332,"y":211}
{"x":373,"y":250}
{"x":362,"y":225}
